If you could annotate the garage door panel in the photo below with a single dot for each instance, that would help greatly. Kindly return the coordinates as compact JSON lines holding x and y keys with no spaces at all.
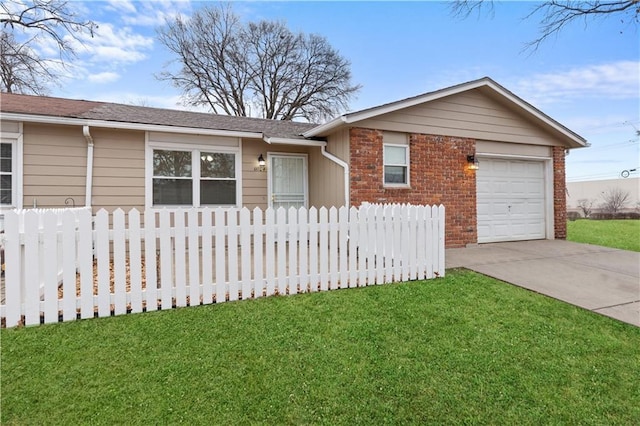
{"x":510,"y":200}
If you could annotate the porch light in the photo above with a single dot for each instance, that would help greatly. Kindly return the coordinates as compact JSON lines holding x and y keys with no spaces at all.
{"x":261,"y":161}
{"x":474,"y":164}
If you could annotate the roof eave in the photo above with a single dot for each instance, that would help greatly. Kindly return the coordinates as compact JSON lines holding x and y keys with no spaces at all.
{"x":293,"y":141}
{"x":31,"y":118}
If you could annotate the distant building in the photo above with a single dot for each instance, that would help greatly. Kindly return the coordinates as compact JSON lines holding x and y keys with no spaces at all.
{"x":595,"y":189}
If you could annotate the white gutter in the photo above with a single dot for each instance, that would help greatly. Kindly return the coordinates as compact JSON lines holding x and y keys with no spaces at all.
{"x":345,"y":167}
{"x":89,"y":184}
{"x":291,"y":141}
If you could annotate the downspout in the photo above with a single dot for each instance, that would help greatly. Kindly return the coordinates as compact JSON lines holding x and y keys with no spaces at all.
{"x":344,"y":166}
{"x":89,"y":183}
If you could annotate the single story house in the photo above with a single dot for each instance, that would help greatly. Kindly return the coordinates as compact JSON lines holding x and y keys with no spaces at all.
{"x":493,"y":160}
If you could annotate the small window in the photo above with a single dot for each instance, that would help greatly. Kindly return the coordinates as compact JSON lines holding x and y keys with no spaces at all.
{"x":6,"y":174}
{"x":396,"y":165}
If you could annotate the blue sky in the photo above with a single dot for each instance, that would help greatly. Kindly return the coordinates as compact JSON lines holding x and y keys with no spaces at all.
{"x":587,"y":77}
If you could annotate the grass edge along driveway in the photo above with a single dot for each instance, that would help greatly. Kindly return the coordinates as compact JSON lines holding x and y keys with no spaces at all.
{"x":621,"y":234}
{"x":460,"y":349}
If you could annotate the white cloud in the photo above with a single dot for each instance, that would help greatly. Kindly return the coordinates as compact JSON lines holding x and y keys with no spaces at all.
{"x":154,"y":13}
{"x":615,"y":80}
{"x":103,"y":77}
{"x":111,"y":44}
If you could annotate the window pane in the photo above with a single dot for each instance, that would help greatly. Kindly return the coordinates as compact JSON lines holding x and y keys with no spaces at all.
{"x":5,"y":165}
{"x":5,"y":158}
{"x":395,"y":155}
{"x":5,"y":150}
{"x":217,"y":165}
{"x":171,"y":163}
{"x":172,"y":192}
{"x":5,"y":182}
{"x":395,"y":174}
{"x":218,"y":192}
{"x":5,"y":196}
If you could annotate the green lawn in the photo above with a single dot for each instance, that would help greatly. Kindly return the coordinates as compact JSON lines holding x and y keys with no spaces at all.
{"x":461,"y":349}
{"x":622,"y":234}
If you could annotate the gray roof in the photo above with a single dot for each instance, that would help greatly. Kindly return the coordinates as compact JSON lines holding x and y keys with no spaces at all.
{"x":70,"y":108}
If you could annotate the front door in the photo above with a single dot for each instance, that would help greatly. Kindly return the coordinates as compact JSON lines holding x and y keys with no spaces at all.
{"x":287,"y":180}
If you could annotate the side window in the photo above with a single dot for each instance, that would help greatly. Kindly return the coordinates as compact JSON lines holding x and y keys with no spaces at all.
{"x":7,"y":178}
{"x":396,"y":165}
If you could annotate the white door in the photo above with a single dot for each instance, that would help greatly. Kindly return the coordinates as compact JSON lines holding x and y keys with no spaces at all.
{"x":510,"y":200}
{"x":287,"y":180}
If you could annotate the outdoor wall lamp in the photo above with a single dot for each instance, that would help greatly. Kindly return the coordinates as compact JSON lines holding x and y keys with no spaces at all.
{"x":261,"y":161}
{"x":474,"y":164}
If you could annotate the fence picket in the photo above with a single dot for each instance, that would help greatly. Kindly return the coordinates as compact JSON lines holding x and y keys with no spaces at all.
{"x":69,"y":255}
{"x":102,"y":254}
{"x":303,"y":235}
{"x":270,"y":237}
{"x":232,"y":249}
{"x":333,"y":248}
{"x":119,"y":259}
{"x":166,"y":260}
{"x":313,"y":249}
{"x":323,"y":230}
{"x":179,"y":254}
{"x":343,"y":233}
{"x":293,"y":250}
{"x":363,"y":246}
{"x":193,"y":253}
{"x":245,"y":252}
{"x":50,"y":267}
{"x":31,"y":272}
{"x":207,"y":257}
{"x":150,"y":295}
{"x":353,"y":246}
{"x":248,"y":254}
{"x":135,"y":261}
{"x":258,"y":247}
{"x":219,"y":230}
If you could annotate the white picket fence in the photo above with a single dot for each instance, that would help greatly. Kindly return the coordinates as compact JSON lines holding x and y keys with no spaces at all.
{"x":189,"y":257}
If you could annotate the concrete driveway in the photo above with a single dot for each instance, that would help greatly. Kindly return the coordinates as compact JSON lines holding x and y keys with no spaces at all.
{"x":601,"y":279}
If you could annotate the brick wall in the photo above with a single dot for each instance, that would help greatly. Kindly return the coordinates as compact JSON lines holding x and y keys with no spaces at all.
{"x":559,"y":193}
{"x":438,"y":175}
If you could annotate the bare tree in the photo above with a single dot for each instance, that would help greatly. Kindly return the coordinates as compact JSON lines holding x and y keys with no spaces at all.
{"x":255,"y":69}
{"x":557,"y":14}
{"x":614,"y":200}
{"x":586,"y":206}
{"x":22,"y":68}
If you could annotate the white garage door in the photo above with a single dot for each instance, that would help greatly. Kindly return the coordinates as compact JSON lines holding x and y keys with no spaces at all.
{"x":511,"y":201}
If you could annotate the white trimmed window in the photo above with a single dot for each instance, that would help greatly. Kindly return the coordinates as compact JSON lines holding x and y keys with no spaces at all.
{"x":7,"y":174}
{"x":396,"y":165}
{"x":183,"y":175}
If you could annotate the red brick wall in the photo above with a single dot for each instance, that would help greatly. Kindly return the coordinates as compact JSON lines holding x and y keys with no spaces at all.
{"x":559,"y":193}
{"x":438,"y":175}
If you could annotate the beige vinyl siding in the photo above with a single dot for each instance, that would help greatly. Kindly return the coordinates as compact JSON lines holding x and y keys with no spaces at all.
{"x":55,"y":161}
{"x":326,"y":178}
{"x":118,"y":169}
{"x":490,"y":147}
{"x":471,"y":114}
{"x":254,"y":181}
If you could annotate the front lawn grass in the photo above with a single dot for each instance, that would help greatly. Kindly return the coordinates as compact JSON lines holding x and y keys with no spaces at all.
{"x":622,"y":234}
{"x":460,"y":349}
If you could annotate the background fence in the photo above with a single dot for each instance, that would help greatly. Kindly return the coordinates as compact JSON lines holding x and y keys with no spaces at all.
{"x":64,"y":265}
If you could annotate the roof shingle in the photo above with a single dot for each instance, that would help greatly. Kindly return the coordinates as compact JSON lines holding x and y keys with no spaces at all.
{"x":71,"y":108}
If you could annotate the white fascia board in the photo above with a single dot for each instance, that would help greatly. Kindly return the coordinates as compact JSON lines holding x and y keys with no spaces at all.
{"x":428,"y":97}
{"x":287,"y":141}
{"x":127,"y":126}
{"x":336,"y":122}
